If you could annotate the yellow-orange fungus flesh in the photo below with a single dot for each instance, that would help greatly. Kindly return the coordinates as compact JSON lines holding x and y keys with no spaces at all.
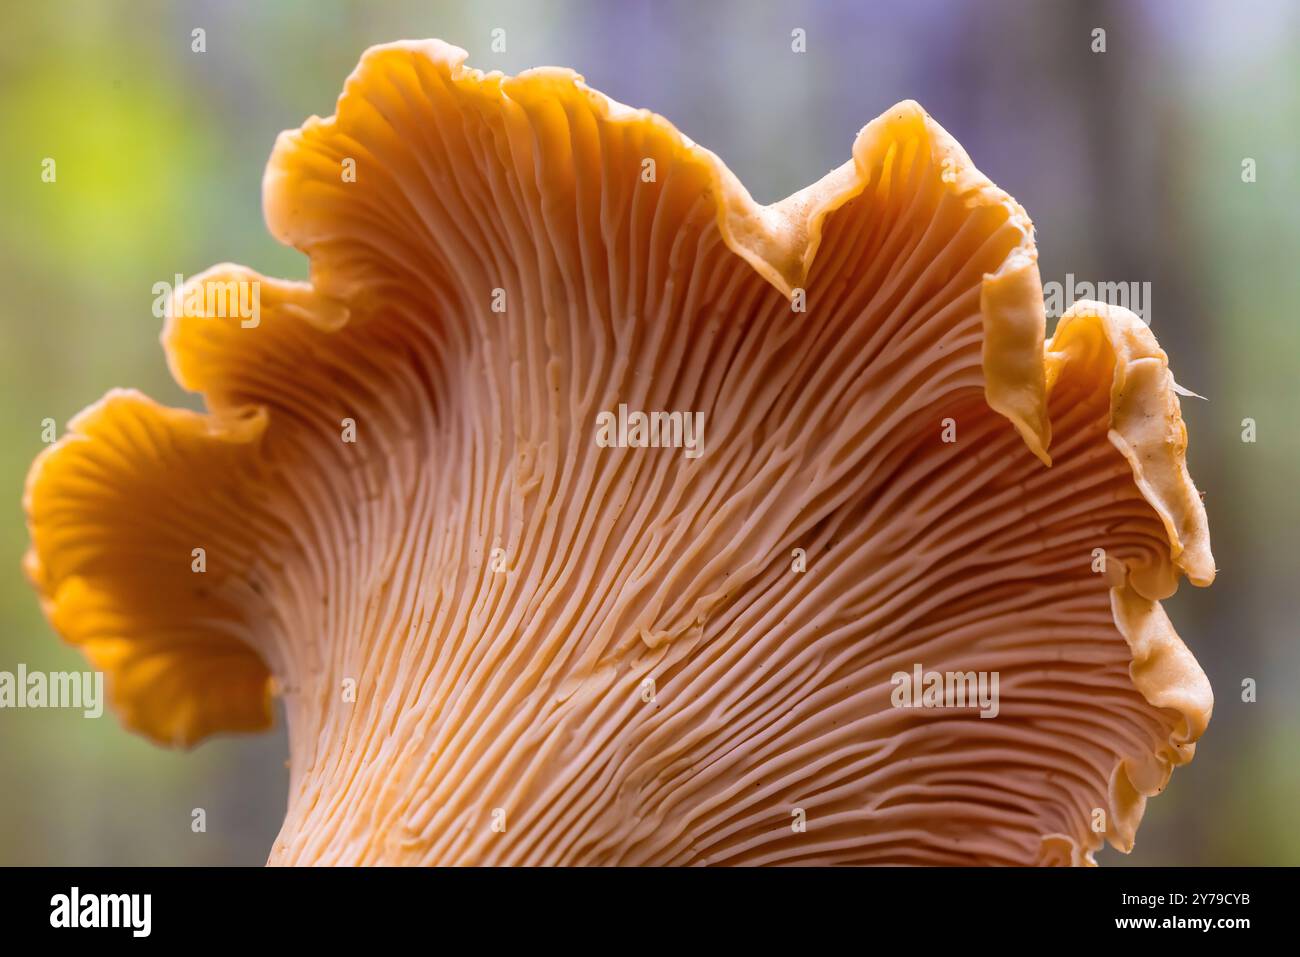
{"x":500,"y":640}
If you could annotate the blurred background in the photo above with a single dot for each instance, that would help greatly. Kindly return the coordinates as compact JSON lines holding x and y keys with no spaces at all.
{"x":1130,"y":162}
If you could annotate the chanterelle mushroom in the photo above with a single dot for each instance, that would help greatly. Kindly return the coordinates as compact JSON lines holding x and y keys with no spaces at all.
{"x":500,"y":640}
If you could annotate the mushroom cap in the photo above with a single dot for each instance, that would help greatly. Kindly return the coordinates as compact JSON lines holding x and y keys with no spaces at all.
{"x":611,"y":647}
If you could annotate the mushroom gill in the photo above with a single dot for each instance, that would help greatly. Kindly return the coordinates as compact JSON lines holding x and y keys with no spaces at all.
{"x":499,"y":640}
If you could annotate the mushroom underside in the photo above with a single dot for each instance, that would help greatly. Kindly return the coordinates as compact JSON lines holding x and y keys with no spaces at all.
{"x":500,"y":638}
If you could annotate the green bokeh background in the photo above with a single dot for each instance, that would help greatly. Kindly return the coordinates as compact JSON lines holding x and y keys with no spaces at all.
{"x":1129,"y":161}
